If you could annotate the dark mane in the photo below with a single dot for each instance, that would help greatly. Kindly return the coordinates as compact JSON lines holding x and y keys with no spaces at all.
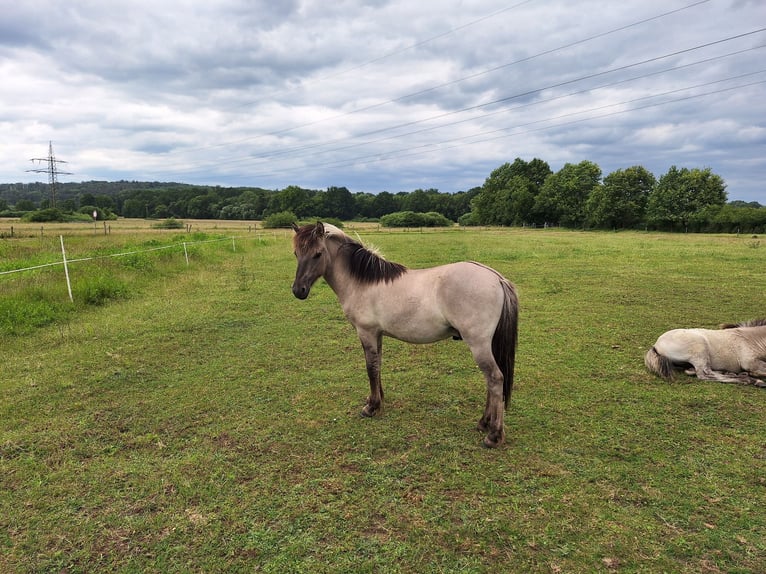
{"x":367,"y":266}
{"x":751,"y":323}
{"x":364,"y":264}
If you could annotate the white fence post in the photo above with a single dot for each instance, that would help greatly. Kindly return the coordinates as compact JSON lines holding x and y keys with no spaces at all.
{"x":66,"y":269}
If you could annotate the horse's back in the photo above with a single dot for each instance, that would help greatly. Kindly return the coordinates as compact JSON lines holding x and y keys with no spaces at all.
{"x":465,"y":282}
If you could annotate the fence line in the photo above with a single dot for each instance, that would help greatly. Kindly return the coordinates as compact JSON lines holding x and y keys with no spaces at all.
{"x":66,"y":261}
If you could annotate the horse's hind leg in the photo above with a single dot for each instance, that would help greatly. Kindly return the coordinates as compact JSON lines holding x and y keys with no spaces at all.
{"x":372,"y":343}
{"x":492,"y":420}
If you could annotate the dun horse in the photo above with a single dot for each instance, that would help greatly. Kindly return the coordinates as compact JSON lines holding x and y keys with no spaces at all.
{"x":733,"y":354}
{"x":465,"y":300}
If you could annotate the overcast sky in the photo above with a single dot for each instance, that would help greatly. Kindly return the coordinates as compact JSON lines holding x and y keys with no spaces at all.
{"x":381,"y":95}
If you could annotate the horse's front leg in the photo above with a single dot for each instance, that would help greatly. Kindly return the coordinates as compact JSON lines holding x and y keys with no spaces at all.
{"x":708,"y":374}
{"x":372,"y":343}
{"x":757,"y":368}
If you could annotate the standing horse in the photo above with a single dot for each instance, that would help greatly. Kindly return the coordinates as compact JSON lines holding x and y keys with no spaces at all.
{"x":733,"y":354}
{"x":464,"y":300}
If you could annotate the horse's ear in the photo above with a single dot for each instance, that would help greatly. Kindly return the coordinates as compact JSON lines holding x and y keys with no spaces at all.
{"x":319,"y":229}
{"x":295,"y":227}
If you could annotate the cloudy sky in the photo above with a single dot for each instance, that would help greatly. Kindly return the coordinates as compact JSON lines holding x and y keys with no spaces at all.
{"x":381,"y":94}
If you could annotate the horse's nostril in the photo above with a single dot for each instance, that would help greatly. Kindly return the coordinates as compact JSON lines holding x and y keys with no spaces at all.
{"x":300,"y":292}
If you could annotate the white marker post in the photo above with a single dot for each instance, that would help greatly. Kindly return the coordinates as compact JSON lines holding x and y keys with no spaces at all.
{"x":66,"y":269}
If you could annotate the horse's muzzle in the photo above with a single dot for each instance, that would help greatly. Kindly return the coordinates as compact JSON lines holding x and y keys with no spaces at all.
{"x":300,"y":292}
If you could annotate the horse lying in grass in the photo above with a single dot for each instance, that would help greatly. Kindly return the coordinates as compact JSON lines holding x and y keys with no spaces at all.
{"x":466,"y":300}
{"x":736,"y":353}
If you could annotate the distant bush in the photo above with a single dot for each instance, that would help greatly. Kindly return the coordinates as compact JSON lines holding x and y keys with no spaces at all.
{"x":102,"y":213}
{"x":414,"y":219}
{"x":333,"y":220}
{"x":12,"y":213}
{"x":170,"y":223}
{"x":53,"y":214}
{"x":280,"y":219}
{"x":45,"y":215}
{"x":470,"y":219}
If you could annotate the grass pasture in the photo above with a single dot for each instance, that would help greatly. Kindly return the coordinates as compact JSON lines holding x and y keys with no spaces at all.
{"x":201,"y":419}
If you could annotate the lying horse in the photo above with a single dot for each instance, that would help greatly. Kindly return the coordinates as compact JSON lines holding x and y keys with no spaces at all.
{"x":465,"y":300}
{"x":733,"y":354}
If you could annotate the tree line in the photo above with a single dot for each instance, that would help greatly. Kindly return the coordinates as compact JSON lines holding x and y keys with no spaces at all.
{"x":517,"y":193}
{"x":576,"y":196}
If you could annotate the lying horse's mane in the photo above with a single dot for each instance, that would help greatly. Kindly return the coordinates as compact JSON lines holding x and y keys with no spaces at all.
{"x":751,"y":323}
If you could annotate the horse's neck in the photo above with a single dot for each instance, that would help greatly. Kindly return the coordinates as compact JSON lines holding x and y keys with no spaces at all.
{"x":338,"y":276}
{"x":755,"y":333}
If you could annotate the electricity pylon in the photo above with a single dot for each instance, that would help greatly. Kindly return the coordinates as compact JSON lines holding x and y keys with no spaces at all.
{"x":52,"y":171}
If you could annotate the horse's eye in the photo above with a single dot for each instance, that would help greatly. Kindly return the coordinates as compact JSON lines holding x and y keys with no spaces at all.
{"x":317,"y":255}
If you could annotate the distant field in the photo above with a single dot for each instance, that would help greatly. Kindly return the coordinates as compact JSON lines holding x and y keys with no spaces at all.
{"x":199,"y":418}
{"x":120,"y":226}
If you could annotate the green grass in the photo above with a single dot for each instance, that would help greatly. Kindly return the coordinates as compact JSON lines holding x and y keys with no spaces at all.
{"x":206,"y":420}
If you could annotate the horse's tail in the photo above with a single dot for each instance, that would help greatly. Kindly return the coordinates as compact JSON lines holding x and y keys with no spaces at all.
{"x":658,"y":364}
{"x":505,"y":339}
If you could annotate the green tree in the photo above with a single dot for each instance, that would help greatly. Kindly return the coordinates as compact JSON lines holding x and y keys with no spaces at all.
{"x":536,"y":171}
{"x":338,"y":202}
{"x":681,"y":194}
{"x":25,"y":205}
{"x":508,"y":194}
{"x":293,"y":199}
{"x":134,"y":208}
{"x":204,"y":206}
{"x":421,"y":201}
{"x":621,"y":200}
{"x":69,"y":205}
{"x":385,"y":202}
{"x":493,"y":206}
{"x":105,"y":202}
{"x":458,"y":204}
{"x":564,"y":194}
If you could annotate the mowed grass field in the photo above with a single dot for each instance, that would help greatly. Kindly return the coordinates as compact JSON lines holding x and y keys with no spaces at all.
{"x":201,"y":419}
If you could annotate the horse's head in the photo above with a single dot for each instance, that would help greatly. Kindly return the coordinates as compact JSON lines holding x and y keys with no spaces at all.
{"x":311,"y":252}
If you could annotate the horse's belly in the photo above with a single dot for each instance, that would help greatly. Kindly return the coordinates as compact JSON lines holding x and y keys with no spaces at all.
{"x":417,"y":325}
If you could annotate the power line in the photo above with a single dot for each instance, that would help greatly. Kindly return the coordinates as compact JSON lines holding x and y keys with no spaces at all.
{"x":296,"y":152}
{"x":411,"y":151}
{"x":463,"y":78}
{"x":517,"y":96}
{"x":406,"y":48}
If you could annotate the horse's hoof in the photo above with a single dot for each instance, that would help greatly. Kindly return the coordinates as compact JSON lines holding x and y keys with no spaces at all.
{"x":490,"y":442}
{"x":367,"y":412}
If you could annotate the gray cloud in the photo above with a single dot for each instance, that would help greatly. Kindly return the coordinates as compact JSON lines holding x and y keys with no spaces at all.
{"x":385,"y":95}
